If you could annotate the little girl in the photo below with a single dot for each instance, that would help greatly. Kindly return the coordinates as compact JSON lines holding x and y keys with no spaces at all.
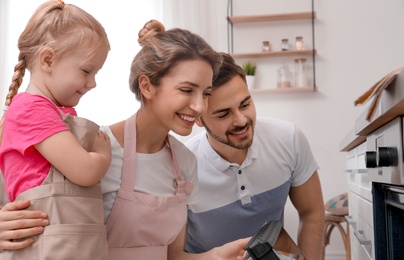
{"x":49,"y":155}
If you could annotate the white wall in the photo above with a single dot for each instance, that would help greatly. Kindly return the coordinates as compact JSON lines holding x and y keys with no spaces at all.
{"x":111,"y":101}
{"x":358,"y":42}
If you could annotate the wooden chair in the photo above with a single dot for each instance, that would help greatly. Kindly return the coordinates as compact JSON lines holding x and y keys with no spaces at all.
{"x":332,"y":221}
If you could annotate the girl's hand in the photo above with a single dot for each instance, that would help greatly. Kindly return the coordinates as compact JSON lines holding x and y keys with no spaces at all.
{"x":17,"y":223}
{"x":102,"y":145}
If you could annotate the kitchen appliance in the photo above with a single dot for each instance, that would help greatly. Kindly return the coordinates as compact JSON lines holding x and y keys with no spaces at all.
{"x":375,"y":168}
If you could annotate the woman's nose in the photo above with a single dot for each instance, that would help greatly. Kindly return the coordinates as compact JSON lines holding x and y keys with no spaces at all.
{"x":199,"y":104}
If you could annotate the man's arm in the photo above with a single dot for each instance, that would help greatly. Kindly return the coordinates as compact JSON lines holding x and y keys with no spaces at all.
{"x":308,"y":201}
{"x":16,"y":223}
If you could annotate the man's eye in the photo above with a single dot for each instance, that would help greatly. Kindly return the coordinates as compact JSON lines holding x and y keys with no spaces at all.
{"x":223,"y":115}
{"x":245,"y":105}
{"x":186,"y":90}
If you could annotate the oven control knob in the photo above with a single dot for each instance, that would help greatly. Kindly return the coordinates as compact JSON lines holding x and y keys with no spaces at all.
{"x":371,"y":159}
{"x":387,"y":156}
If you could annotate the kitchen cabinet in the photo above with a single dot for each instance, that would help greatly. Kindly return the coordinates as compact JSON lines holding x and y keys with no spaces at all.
{"x":270,"y":61}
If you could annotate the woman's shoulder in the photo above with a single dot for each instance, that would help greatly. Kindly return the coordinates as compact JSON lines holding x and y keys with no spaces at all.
{"x":116,"y":131}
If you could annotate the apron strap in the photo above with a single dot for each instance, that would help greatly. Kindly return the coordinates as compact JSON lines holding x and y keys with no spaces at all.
{"x":176,"y":168}
{"x":180,"y":183}
{"x":129,"y":154}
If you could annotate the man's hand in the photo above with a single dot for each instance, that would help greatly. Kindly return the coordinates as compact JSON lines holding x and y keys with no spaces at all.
{"x":17,"y":223}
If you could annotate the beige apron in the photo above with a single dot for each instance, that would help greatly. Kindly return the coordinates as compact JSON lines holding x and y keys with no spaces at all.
{"x":140,"y":225}
{"x":76,"y":230}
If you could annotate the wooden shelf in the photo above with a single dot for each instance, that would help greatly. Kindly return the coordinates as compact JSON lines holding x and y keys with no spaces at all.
{"x":308,"y":15}
{"x":270,"y":18}
{"x":263,"y":54}
{"x":283,"y":90}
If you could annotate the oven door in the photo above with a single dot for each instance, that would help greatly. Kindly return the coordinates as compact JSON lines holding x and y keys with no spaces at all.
{"x":388,"y":203}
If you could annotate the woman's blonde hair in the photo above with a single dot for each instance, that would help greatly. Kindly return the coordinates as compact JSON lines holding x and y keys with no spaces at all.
{"x":63,"y":27}
{"x":161,"y":50}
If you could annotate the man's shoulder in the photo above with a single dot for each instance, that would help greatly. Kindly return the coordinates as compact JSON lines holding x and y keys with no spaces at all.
{"x":180,"y":148}
{"x":194,"y":142}
{"x":274,"y":125}
{"x":273,"y":121}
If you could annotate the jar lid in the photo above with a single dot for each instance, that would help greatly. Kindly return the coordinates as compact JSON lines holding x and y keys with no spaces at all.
{"x":300,"y":60}
{"x":265,"y":42}
{"x":299,"y":37}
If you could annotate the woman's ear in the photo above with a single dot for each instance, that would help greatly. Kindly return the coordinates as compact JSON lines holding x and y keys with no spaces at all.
{"x":146,"y":87}
{"x":46,"y":58}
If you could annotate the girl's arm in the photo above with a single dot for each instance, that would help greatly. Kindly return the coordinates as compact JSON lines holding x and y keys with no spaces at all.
{"x":230,"y":251}
{"x":81,"y":167}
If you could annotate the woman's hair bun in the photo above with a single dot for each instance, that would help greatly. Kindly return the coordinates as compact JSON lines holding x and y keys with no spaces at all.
{"x":150,"y":29}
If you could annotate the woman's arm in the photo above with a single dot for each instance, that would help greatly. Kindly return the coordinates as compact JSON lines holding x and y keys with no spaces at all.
{"x":81,"y":167}
{"x":16,"y":223}
{"x":230,"y":251}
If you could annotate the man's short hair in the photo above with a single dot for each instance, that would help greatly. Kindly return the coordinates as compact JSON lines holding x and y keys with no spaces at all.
{"x":228,"y":70}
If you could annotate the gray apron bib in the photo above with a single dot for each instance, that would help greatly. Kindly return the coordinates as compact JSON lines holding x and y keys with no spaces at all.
{"x":76,"y":230}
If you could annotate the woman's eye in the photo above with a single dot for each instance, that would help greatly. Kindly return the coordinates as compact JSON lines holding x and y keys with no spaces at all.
{"x":86,"y":71}
{"x":207,"y":94}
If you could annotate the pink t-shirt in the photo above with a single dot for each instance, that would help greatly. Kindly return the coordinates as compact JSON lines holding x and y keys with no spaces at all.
{"x":29,"y":120}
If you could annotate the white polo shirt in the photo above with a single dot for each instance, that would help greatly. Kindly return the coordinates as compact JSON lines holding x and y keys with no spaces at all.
{"x":233,"y":200}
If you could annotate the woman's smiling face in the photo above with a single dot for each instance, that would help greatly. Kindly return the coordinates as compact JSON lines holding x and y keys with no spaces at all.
{"x":182,"y":95}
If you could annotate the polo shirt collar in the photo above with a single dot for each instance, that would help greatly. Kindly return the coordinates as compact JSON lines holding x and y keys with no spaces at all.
{"x":221,"y":164}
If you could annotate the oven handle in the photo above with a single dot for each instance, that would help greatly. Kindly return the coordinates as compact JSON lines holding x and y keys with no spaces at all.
{"x":360,"y":171}
{"x":361,"y":237}
{"x":350,"y":221}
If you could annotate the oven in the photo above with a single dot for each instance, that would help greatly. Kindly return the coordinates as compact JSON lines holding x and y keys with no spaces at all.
{"x":384,"y":163}
{"x":375,"y":168}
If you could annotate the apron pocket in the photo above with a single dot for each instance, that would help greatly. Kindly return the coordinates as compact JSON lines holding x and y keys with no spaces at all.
{"x":75,"y":241}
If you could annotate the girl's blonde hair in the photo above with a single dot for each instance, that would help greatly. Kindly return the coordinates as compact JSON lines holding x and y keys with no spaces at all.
{"x":65,"y":28}
{"x":161,"y":50}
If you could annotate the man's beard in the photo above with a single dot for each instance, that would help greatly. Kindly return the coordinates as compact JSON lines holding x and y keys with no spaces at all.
{"x":244,"y":143}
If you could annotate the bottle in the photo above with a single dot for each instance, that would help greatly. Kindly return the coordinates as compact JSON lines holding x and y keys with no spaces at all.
{"x":266,"y":46}
{"x":299,"y":44}
{"x":301,"y":79}
{"x":284,"y":76}
{"x":285,"y":45}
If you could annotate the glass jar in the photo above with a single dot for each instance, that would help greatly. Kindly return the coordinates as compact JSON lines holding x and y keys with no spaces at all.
{"x":266,"y":46}
{"x":299,"y":44}
{"x":285,"y":45}
{"x":284,"y":76}
{"x":301,"y":76}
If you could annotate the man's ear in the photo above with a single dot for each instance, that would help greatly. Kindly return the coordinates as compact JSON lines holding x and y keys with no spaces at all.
{"x":46,"y":58}
{"x":199,"y":122}
{"x":146,"y":87}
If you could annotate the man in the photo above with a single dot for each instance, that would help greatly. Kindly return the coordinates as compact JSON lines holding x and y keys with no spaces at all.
{"x":247,"y":168}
